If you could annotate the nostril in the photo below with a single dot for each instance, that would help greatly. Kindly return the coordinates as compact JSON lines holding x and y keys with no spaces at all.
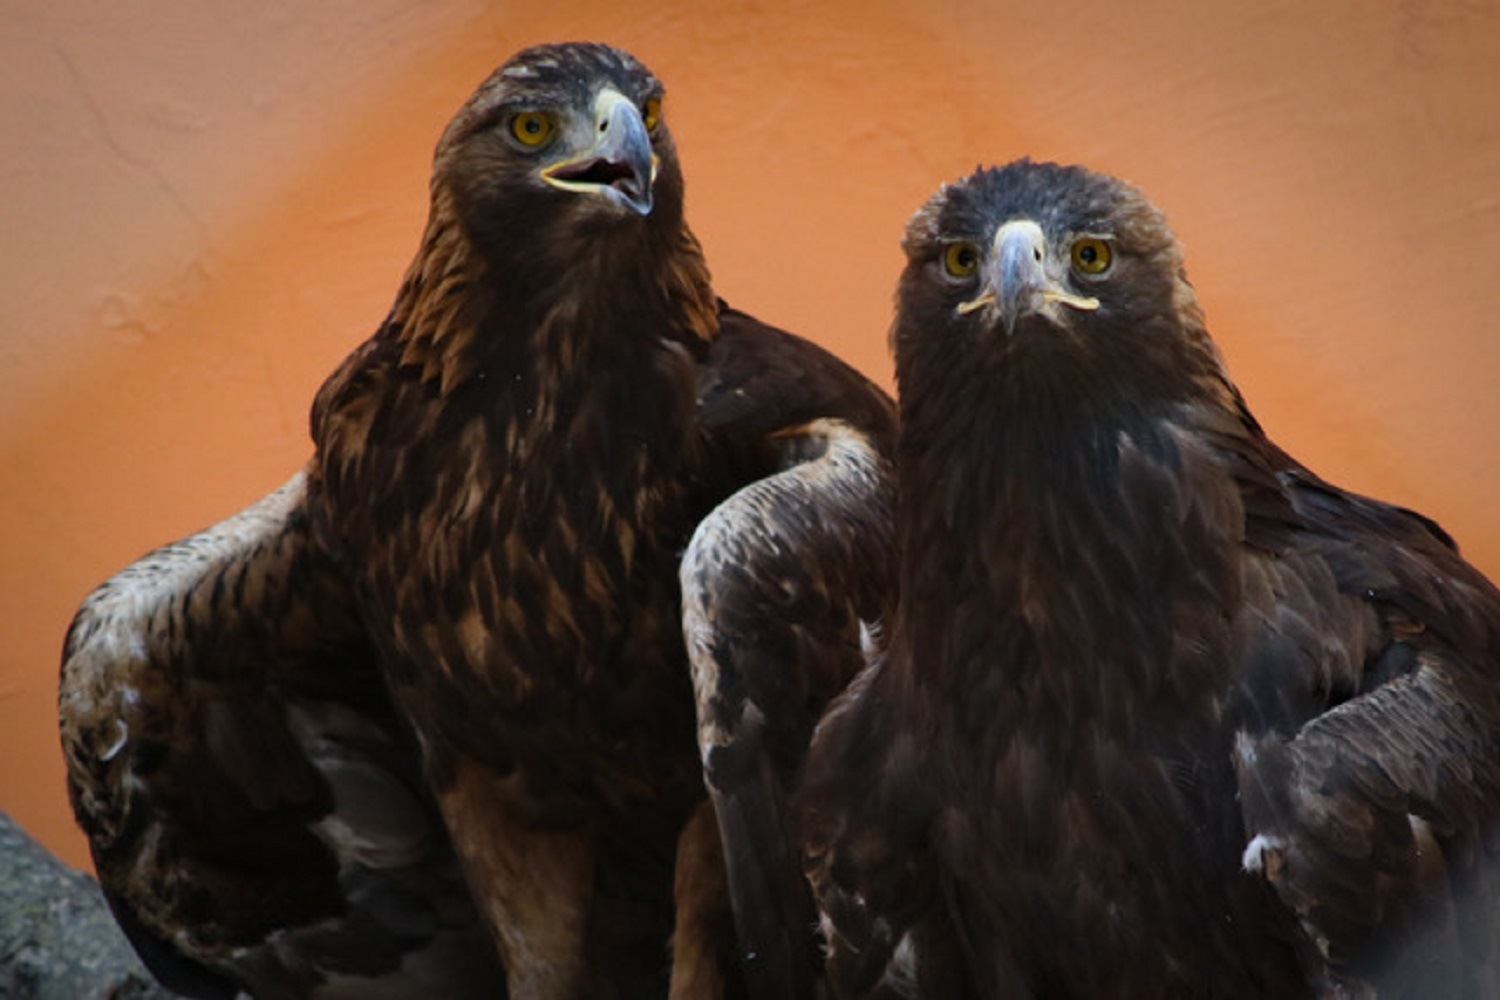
{"x":1037,"y":253}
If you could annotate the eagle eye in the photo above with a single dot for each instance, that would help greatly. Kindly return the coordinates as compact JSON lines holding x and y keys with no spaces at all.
{"x":961,"y":260}
{"x":1091,"y":255}
{"x":532,"y":128}
{"x":651,"y":113}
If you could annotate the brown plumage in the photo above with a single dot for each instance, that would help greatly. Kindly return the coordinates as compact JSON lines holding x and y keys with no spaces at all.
{"x":1163,"y":713}
{"x":505,"y":476}
{"x":782,"y":586}
{"x":254,"y":807}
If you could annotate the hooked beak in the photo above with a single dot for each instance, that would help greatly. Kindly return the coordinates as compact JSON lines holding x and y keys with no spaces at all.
{"x":620,"y":165}
{"x":1016,"y":281}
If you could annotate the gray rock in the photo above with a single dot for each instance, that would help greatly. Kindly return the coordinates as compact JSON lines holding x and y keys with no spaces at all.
{"x":58,"y":940}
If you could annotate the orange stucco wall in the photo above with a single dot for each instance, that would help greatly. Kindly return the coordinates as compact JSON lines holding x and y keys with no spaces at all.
{"x":206,"y":205}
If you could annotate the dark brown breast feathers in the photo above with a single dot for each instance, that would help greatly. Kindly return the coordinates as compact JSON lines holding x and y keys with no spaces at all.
{"x":515,"y":530}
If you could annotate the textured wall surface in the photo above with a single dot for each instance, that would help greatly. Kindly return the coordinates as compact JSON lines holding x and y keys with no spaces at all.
{"x":206,"y":205}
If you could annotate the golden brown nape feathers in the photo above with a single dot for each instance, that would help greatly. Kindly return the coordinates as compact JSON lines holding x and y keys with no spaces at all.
{"x":1163,"y":713}
{"x":505,"y":475}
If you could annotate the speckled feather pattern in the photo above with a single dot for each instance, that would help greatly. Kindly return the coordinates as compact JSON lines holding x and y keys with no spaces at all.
{"x":239,"y":771}
{"x":782,"y":583}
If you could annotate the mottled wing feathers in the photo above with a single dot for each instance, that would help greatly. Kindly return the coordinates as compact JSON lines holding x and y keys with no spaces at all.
{"x":779,"y":583}
{"x":1376,"y":818}
{"x":253,"y":808}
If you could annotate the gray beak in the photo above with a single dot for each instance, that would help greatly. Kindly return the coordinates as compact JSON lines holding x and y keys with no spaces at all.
{"x":1018,"y":275}
{"x":620,"y":165}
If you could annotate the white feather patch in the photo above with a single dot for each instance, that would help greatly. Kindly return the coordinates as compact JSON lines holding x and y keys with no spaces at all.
{"x":121,"y":738}
{"x":1253,"y":861}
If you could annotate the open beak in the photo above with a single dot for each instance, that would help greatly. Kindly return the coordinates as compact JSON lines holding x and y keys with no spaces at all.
{"x":1016,"y":281}
{"x":620,"y":165}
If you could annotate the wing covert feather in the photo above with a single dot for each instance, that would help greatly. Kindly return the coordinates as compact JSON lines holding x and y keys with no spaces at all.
{"x":1374,"y":819}
{"x":779,"y":584}
{"x":255,"y":811}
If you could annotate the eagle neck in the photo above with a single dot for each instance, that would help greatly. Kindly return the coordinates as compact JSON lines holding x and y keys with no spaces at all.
{"x":468,"y":310}
{"x":578,"y":378}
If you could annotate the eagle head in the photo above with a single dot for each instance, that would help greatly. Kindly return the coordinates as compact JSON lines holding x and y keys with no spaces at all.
{"x":1066,"y":279}
{"x":567,"y":139}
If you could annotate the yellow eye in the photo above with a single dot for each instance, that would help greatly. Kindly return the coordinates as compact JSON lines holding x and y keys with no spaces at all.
{"x":532,"y":128}
{"x":651,"y":113}
{"x":961,"y":259}
{"x":1091,"y":255}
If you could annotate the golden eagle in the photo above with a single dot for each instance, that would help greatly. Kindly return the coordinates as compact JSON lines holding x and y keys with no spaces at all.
{"x":455,"y":641}
{"x":1162,"y":713}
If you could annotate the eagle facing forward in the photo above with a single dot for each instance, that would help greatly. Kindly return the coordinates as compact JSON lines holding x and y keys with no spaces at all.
{"x":1163,"y":713}
{"x":505,"y":477}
